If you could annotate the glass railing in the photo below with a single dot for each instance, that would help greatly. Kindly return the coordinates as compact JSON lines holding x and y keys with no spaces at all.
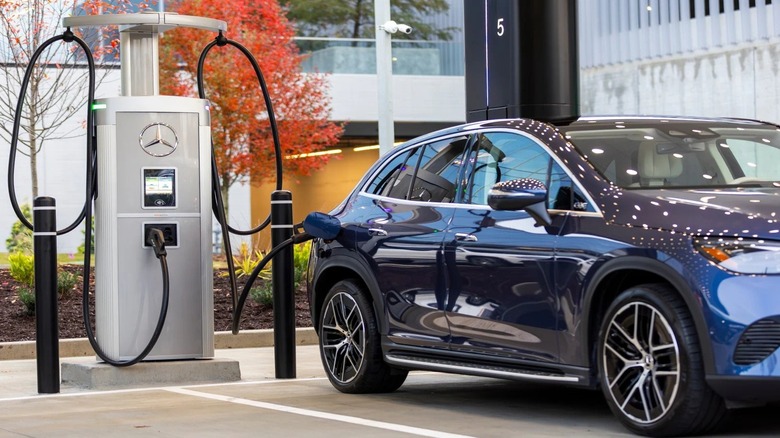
{"x":358,"y":56}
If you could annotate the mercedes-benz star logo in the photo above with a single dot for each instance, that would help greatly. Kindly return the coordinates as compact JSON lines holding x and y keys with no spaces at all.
{"x":158,"y":139}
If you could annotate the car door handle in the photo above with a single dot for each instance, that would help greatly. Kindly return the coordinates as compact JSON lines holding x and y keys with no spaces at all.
{"x":377,"y":232}
{"x":465,"y":237}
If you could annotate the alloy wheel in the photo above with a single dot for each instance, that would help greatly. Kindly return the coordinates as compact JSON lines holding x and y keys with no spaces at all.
{"x":641,"y":359}
{"x":343,"y":337}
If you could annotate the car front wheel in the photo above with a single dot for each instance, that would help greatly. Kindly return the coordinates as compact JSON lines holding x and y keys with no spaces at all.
{"x":650,"y":365}
{"x":350,"y":345}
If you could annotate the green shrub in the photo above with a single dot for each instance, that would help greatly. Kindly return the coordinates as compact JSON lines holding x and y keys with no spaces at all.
{"x":66,"y":281}
{"x":301,"y":261}
{"x":22,"y":268}
{"x":263,"y":294}
{"x":245,"y":263}
{"x":21,"y":238}
{"x":81,"y":248}
{"x":27,"y":297}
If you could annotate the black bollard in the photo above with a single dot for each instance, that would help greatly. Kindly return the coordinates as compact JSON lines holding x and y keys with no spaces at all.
{"x":283,"y":287}
{"x":47,"y":349}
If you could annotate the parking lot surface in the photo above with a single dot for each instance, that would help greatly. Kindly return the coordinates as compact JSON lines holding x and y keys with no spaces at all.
{"x":428,"y":404}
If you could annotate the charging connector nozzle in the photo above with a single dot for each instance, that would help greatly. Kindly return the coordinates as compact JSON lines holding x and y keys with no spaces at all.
{"x":157,"y":240}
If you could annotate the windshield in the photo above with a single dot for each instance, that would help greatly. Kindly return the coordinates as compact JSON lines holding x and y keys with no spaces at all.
{"x":661,"y":153}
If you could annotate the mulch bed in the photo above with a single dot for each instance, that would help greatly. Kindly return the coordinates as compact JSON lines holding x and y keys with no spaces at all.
{"x":16,"y":325}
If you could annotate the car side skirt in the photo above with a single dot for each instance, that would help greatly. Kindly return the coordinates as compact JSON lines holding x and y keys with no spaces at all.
{"x":421,"y":358}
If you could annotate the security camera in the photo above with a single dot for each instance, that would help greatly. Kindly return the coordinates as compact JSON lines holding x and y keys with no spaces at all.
{"x":405,"y":29}
{"x":392,"y":27}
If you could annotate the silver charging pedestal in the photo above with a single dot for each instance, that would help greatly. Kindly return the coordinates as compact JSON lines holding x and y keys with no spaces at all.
{"x":153,"y":172}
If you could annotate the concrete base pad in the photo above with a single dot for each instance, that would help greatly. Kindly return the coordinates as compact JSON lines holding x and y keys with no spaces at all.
{"x":97,"y":375}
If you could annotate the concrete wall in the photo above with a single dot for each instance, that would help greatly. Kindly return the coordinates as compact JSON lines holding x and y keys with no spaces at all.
{"x":741,"y":81}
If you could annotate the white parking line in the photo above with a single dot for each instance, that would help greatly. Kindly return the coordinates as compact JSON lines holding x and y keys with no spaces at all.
{"x":87,"y":393}
{"x":317,"y":414}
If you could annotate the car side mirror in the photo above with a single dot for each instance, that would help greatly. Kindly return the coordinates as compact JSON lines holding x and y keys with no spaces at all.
{"x":521,"y":194}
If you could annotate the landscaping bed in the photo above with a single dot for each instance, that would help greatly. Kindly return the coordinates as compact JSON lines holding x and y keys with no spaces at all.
{"x":17,"y":325}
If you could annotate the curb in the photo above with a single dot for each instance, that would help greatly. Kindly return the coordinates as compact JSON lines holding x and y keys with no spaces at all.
{"x":24,"y":350}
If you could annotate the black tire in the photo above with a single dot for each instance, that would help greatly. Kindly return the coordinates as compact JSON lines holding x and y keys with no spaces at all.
{"x":350,"y":346}
{"x":650,"y":365}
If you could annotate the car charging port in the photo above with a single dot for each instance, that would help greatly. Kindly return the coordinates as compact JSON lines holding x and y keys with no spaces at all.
{"x":169,"y":231}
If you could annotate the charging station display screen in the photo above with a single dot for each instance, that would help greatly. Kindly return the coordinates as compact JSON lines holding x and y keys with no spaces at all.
{"x":159,"y":188}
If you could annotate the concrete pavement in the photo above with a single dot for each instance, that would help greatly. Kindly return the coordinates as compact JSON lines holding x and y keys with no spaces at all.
{"x":428,"y":404}
{"x":253,"y":349}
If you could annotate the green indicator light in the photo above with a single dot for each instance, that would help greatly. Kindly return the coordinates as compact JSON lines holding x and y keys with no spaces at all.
{"x":98,"y":106}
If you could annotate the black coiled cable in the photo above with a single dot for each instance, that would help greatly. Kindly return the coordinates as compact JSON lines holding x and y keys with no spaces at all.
{"x":217,"y":202}
{"x":68,"y":37}
{"x":90,"y":191}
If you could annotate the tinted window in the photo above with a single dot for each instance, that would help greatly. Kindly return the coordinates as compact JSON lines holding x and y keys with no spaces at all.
{"x":387,"y":178}
{"x":427,"y":173}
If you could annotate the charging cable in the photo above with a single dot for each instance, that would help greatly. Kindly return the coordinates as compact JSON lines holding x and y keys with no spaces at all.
{"x":156,"y":237}
{"x":157,"y":240}
{"x":217,"y":202}
{"x":68,"y":37}
{"x":315,"y":226}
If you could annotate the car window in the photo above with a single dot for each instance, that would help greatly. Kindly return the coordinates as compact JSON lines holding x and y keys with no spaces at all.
{"x":426,"y":173}
{"x":504,"y":156}
{"x":679,"y":153}
{"x":564,"y":194}
{"x":387,"y":178}
{"x":754,"y":159}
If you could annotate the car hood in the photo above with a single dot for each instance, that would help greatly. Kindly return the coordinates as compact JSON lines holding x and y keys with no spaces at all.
{"x":751,"y":212}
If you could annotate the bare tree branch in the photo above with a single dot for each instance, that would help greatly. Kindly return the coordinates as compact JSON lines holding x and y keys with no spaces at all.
{"x":56,"y":89}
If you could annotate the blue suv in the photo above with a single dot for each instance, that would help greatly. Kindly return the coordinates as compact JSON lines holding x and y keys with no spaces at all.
{"x":636,"y":255}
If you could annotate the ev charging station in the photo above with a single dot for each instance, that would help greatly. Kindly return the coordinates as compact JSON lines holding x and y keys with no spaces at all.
{"x":154,"y":172}
{"x":152,"y":187}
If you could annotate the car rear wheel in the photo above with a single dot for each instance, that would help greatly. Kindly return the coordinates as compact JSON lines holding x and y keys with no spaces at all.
{"x":350,"y":345}
{"x":650,"y":365}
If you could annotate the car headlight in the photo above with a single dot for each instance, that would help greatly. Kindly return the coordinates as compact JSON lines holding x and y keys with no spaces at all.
{"x":746,"y":256}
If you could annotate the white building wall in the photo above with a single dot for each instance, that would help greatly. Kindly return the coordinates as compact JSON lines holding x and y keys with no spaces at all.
{"x":415,"y":98}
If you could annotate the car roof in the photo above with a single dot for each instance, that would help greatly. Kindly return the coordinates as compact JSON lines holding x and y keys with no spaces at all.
{"x":604,"y":120}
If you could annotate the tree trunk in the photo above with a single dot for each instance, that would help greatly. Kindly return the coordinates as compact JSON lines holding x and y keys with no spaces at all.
{"x":35,"y":83}
{"x":34,"y":167}
{"x":33,"y":143}
{"x":224,"y":188}
{"x":357,"y":21}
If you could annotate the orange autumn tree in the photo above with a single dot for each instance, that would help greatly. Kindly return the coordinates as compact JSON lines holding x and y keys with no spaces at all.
{"x":241,"y":132}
